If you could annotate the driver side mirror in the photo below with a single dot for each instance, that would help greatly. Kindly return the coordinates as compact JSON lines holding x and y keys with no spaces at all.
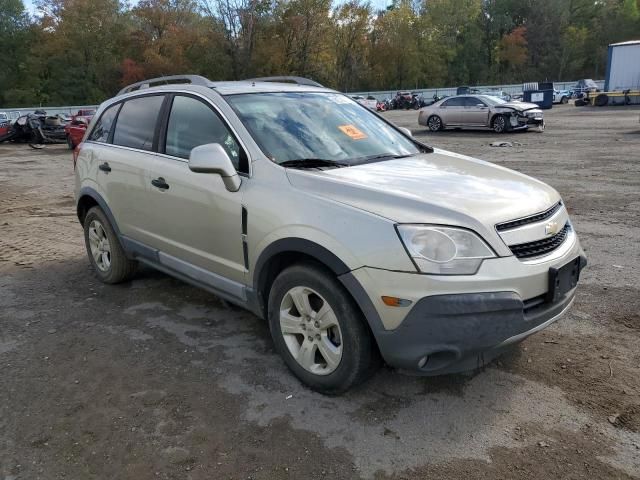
{"x":212,"y":158}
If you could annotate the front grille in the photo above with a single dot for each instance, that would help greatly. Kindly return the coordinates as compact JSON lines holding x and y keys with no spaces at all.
{"x":538,"y":217}
{"x":541,"y":247}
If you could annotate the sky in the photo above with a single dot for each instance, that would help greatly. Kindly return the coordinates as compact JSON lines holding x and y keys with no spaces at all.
{"x":377,"y":5}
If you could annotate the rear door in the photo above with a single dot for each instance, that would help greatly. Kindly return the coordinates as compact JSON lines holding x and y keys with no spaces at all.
{"x":476,"y":112}
{"x":451,"y":111}
{"x":122,"y":146}
{"x":193,"y":217}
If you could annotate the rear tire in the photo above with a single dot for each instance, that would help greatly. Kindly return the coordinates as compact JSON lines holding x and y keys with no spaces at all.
{"x":325,"y":341}
{"x":434,"y":123}
{"x":105,"y":253}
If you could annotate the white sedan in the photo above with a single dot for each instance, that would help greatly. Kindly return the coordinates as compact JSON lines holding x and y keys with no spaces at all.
{"x":369,"y":102}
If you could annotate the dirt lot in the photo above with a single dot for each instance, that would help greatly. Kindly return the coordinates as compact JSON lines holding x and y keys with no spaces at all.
{"x":157,"y":379}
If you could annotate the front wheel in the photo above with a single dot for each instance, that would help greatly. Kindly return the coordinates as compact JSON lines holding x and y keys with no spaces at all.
{"x":499,"y":124}
{"x":564,"y":100}
{"x":319,"y":331}
{"x":36,"y":141}
{"x":70,"y":143}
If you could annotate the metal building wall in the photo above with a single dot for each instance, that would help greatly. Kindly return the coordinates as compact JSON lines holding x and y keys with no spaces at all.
{"x":623,"y":67}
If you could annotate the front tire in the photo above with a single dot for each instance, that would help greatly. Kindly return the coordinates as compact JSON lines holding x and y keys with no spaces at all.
{"x":70,"y":143}
{"x":499,"y":124}
{"x":434,"y":123}
{"x":105,"y":252}
{"x":564,"y":100}
{"x":319,"y":331}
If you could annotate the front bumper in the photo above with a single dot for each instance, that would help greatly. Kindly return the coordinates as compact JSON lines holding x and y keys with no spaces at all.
{"x":458,"y":323}
{"x":454,"y":333}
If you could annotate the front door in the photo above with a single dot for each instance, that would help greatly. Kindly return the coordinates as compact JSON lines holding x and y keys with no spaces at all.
{"x":476,"y":112}
{"x":195,"y":220}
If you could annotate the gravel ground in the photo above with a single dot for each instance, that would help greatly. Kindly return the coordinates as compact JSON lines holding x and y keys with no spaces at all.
{"x":157,"y":379}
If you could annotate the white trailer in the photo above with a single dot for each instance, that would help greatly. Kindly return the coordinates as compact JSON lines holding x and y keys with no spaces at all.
{"x":622,"y":82}
{"x":623,"y":66}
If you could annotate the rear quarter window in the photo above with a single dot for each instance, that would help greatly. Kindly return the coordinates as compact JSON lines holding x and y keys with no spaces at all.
{"x":136,"y":124}
{"x":102,"y":129}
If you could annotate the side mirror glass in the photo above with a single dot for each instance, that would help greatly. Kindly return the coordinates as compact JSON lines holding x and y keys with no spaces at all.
{"x":212,"y":158}
{"x":406,"y":131}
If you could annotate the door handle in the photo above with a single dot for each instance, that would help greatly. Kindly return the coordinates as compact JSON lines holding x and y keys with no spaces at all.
{"x":160,"y":183}
{"x":105,"y":167}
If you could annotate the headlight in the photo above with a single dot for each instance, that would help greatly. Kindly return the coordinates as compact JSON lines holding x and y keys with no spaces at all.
{"x":444,"y":250}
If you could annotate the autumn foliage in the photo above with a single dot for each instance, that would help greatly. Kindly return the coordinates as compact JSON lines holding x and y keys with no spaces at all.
{"x":83,"y":51}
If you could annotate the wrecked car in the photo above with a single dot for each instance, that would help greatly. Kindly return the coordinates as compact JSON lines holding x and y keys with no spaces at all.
{"x":37,"y":129}
{"x":481,"y":111}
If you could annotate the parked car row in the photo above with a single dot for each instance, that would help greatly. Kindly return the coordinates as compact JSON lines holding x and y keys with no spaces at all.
{"x":38,"y":128}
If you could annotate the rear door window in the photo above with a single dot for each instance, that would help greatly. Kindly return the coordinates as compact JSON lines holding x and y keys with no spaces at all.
{"x":101,"y":131}
{"x":136,"y":123}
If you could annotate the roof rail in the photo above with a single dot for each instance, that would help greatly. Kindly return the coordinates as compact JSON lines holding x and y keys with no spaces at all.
{"x":193,"y":79}
{"x":286,"y":79}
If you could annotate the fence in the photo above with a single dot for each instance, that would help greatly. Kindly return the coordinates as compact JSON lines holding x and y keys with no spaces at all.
{"x":380,"y":94}
{"x":447,"y":91}
{"x":72,"y":110}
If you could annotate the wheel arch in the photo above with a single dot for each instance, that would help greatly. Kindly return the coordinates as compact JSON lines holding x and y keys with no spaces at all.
{"x":288,"y":251}
{"x":89,"y":198}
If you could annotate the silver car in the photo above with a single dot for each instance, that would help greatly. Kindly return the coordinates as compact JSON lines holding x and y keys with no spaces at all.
{"x":356,"y":242}
{"x":481,"y":111}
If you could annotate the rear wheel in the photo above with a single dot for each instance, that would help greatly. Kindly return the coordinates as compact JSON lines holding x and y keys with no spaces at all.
{"x":319,"y":332}
{"x":499,"y":124}
{"x":103,"y":247}
{"x":434,"y":123}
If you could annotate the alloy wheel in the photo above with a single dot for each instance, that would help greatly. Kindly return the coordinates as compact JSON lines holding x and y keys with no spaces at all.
{"x":310,"y":330}
{"x":499,"y":124}
{"x":434,"y":123}
{"x":99,"y":245}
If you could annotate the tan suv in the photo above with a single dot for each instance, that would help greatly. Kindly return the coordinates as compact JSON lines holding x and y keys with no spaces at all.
{"x":355,"y":241}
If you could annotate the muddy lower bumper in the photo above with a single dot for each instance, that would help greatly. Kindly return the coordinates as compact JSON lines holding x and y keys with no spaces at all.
{"x":523,"y":122}
{"x":460,"y":332}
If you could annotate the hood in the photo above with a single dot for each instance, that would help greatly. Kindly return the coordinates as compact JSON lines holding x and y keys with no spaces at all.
{"x":521,"y":106}
{"x":440,"y":187}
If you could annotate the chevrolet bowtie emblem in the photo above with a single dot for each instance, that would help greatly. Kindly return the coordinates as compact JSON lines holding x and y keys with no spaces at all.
{"x":551,"y":228}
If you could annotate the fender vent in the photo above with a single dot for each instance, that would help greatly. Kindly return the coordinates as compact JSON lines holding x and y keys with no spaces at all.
{"x":245,"y":247}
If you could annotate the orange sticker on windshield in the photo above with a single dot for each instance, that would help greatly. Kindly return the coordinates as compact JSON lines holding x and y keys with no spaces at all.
{"x":352,"y":132}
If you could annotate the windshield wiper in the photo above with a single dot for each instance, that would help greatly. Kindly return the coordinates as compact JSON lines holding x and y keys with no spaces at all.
{"x":384,"y":156}
{"x":312,"y":163}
